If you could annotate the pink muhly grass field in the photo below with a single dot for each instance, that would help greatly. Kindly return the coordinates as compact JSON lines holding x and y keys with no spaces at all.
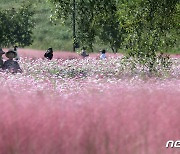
{"x":88,"y":106}
{"x":122,"y":119}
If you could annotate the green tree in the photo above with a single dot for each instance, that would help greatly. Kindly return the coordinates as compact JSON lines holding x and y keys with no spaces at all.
{"x":86,"y":24}
{"x":16,"y":26}
{"x":94,"y":19}
{"x":109,"y":29}
{"x":149,"y":26}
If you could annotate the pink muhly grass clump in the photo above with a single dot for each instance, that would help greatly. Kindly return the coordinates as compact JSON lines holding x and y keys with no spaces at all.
{"x":123,"y":119}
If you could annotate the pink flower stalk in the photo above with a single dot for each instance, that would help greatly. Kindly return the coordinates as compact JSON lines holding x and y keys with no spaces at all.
{"x":123,"y":118}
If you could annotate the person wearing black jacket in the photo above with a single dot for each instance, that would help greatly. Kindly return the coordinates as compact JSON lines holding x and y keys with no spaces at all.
{"x":49,"y":54}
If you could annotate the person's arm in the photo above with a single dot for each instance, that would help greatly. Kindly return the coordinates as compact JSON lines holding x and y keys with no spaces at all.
{"x":4,"y":65}
{"x":46,"y":55}
{"x":18,"y":67}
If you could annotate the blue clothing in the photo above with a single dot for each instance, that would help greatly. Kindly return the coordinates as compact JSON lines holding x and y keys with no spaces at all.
{"x":103,"y":56}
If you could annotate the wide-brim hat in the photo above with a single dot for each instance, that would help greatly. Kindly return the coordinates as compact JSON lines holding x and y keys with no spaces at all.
{"x":11,"y":51}
{"x":1,"y":51}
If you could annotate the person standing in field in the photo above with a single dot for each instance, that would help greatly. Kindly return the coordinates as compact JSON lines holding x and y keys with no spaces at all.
{"x":83,"y":53}
{"x":11,"y":65}
{"x":103,"y":54}
{"x":15,"y":49}
{"x":49,"y":54}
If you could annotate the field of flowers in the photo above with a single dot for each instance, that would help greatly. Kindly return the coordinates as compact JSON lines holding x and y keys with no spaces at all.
{"x":89,"y":106}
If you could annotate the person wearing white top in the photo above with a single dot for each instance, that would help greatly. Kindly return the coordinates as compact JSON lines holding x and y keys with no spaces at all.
{"x":17,"y":55}
{"x":103,"y":54}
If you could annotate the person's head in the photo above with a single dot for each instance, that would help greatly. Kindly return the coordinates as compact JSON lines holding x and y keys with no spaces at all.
{"x":1,"y":52}
{"x":11,"y":54}
{"x":50,"y":50}
{"x":103,"y":51}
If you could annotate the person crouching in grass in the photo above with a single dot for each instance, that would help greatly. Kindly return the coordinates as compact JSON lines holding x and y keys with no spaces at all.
{"x":11,"y":65}
{"x":1,"y":59}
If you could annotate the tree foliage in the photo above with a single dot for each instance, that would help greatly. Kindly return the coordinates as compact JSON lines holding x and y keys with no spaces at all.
{"x":109,"y":29}
{"x":149,"y":26}
{"x":16,"y":26}
{"x":141,"y":26}
{"x":94,"y":19}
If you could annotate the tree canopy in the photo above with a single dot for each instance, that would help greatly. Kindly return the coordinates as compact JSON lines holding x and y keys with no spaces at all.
{"x":139,"y":25}
{"x":94,"y":18}
{"x":16,"y":26}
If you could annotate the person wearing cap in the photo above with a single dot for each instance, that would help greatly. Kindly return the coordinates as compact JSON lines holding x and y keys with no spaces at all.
{"x":1,"y":59}
{"x":49,"y":54}
{"x":11,"y":65}
{"x":103,"y":54}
